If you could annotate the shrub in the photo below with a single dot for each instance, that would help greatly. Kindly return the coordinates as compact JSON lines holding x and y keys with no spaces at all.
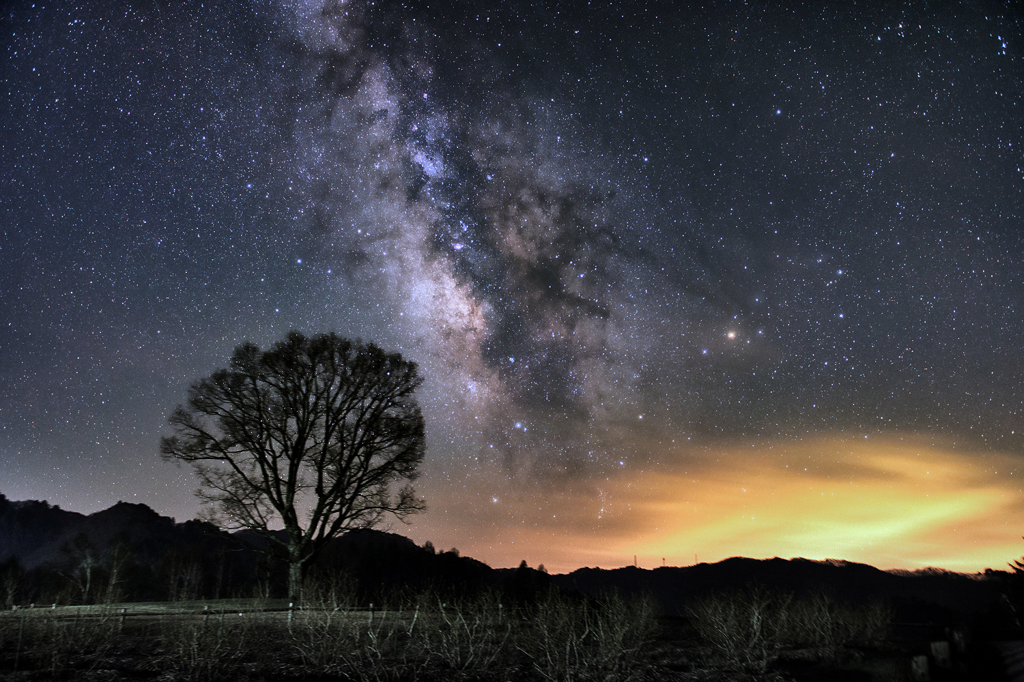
{"x":332,"y":637}
{"x":742,"y":628}
{"x":62,"y":642}
{"x":464,"y":635}
{"x":207,"y":646}
{"x":747,"y":629}
{"x":823,"y":622}
{"x":586,"y":639}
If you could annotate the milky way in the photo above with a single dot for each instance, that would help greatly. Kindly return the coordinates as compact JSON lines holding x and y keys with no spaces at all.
{"x":475,"y":213}
{"x":624,"y":243}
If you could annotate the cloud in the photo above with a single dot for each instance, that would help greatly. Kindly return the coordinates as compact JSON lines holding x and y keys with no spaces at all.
{"x":892,"y":502}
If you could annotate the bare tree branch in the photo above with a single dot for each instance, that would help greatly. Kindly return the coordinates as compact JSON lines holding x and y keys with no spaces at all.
{"x":310,"y":435}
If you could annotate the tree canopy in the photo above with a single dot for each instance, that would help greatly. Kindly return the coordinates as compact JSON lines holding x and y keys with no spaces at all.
{"x":312,"y":435}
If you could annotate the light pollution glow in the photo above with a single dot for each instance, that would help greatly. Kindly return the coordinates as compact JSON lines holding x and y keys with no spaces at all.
{"x":576,"y":254}
{"x":887,"y":501}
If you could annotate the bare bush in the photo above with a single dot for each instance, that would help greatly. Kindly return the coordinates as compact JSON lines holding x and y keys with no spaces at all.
{"x":323,"y":637}
{"x":323,"y":628}
{"x":382,"y":651}
{"x":583,"y":639}
{"x":875,"y":623}
{"x":206,"y":647}
{"x":742,"y":628}
{"x":747,"y":630}
{"x":563,"y":638}
{"x":63,"y":642}
{"x":826,"y":623}
{"x":335,"y":590}
{"x":185,"y":579}
{"x":468,"y":635}
{"x":11,"y":577}
{"x":332,"y":637}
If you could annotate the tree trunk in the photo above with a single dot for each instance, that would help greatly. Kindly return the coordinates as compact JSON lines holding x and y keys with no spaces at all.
{"x":294,"y":578}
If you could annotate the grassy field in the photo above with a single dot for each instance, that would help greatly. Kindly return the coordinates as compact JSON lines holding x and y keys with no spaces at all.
{"x":741,"y":635}
{"x":426,"y":638}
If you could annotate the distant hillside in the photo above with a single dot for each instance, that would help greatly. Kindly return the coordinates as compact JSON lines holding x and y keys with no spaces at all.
{"x":163,"y":559}
{"x":673,"y":587}
{"x":38,"y":534}
{"x":58,"y":550}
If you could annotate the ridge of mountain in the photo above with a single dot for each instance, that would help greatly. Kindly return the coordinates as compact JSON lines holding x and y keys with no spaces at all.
{"x":39,"y":535}
{"x":848,"y":581}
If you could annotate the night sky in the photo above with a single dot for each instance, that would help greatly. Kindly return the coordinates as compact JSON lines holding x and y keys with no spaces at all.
{"x":684,"y":283}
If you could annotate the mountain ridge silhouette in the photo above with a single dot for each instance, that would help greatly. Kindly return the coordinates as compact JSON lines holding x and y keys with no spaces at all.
{"x":40,"y":536}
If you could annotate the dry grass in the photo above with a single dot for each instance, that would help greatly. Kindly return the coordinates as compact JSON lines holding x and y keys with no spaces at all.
{"x":56,"y":640}
{"x":743,"y":629}
{"x":208,"y":647}
{"x":464,"y":635}
{"x":747,"y":630}
{"x":558,"y":638}
{"x":583,"y":639}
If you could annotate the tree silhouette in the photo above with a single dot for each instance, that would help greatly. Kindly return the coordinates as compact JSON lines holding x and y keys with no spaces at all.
{"x":309,"y":435}
{"x":1018,"y":566}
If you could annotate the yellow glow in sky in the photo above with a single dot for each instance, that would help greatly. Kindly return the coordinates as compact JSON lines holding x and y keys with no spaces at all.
{"x":890,"y":502}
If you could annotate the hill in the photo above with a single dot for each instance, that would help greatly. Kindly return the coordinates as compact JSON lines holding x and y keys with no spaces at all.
{"x":153,"y":557}
{"x":56,"y":555}
{"x":39,"y":534}
{"x":919,"y":591}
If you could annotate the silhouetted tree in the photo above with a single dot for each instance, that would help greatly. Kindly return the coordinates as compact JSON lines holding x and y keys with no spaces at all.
{"x":83,"y":565}
{"x":119,"y":563}
{"x":1018,"y":566}
{"x":310,"y":434}
{"x":1013,"y":592}
{"x":12,"y":575}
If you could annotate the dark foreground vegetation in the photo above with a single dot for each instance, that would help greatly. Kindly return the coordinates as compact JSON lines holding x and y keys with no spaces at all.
{"x":746,"y":634}
{"x":425,"y":638}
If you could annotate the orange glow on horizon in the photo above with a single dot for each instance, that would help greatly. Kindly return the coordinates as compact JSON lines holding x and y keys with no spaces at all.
{"x":889,"y":502}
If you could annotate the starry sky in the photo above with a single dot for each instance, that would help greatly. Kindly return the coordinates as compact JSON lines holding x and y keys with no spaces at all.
{"x":685,"y":282}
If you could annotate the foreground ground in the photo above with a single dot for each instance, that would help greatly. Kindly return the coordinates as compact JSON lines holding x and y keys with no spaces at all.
{"x":429,"y":639}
